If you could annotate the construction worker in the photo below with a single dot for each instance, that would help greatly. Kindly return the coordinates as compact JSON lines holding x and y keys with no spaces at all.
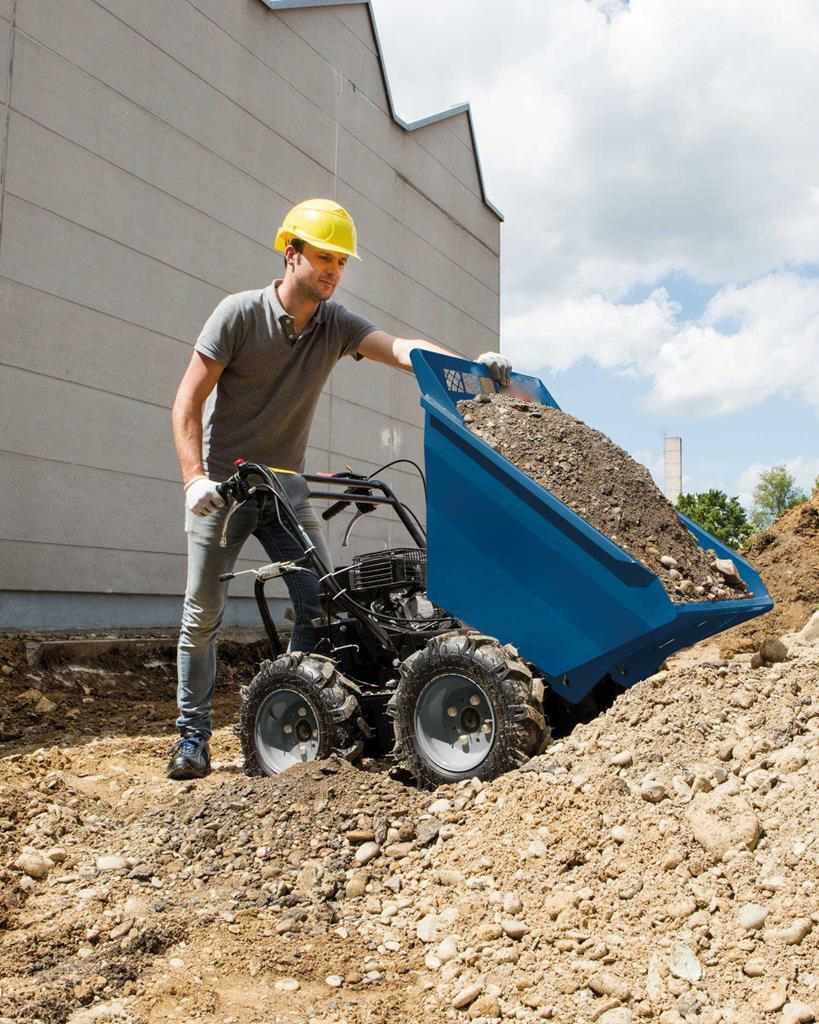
{"x":250,"y":391}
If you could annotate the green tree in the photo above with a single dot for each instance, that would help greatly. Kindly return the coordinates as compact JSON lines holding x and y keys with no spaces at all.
{"x":723,"y":517}
{"x":815,"y":489}
{"x":775,"y":492}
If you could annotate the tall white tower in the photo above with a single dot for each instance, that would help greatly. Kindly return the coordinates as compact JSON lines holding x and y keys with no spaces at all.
{"x":672,"y":464}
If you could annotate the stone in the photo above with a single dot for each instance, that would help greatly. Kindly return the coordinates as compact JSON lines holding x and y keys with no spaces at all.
{"x":623,"y":759}
{"x":606,"y":984}
{"x":773,"y":650}
{"x":616,"y":1015}
{"x":33,"y":864}
{"x":112,"y":862}
{"x":793,"y":934}
{"x":683,"y":963}
{"x":652,"y":791}
{"x":429,"y":928}
{"x":287,"y":985}
{"x":620,"y":834}
{"x":439,"y":806}
{"x":790,"y":758}
{"x":810,"y":631}
{"x":751,"y":916}
{"x":754,"y":968}
{"x":356,"y":886}
{"x":45,"y":706}
{"x":512,"y":903}
{"x":486,"y":1005}
{"x":366,"y":852}
{"x":395,"y":851}
{"x":466,"y":996}
{"x":334,"y":980}
{"x":448,"y":949}
{"x":757,"y":661}
{"x":427,"y":831}
{"x":56,"y":854}
{"x":773,"y":995}
{"x":514,"y":929}
{"x":449,"y":876}
{"x":797,"y":1013}
{"x":723,"y":820}
{"x":668,"y":561}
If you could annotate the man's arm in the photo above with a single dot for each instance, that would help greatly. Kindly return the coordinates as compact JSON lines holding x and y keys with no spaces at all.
{"x":386,"y":348}
{"x":199,"y":380}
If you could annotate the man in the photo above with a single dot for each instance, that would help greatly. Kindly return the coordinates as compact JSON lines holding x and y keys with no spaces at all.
{"x":255,"y":378}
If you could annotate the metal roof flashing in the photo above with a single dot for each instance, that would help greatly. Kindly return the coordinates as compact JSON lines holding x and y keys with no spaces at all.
{"x":408,"y":126}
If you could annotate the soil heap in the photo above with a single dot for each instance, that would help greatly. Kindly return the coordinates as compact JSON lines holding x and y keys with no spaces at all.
{"x":787,"y":558}
{"x":661,"y":863}
{"x":602,"y":483}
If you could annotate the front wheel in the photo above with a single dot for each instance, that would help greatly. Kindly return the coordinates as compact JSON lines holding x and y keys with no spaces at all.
{"x":297,"y":708}
{"x":466,"y":706}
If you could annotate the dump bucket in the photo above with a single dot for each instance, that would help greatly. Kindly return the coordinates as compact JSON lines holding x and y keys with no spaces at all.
{"x":510,"y":559}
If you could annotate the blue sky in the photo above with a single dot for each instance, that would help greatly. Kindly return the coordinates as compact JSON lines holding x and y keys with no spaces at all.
{"x":658,"y":169}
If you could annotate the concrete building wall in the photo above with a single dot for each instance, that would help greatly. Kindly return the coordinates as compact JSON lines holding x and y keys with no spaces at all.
{"x":149,"y":151}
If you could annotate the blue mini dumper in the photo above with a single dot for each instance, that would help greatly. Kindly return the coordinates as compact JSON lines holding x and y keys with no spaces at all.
{"x":506,"y":556}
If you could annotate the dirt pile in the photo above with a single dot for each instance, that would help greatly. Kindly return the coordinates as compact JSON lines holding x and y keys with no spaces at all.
{"x":787,"y":559}
{"x":606,"y":487}
{"x":660,"y":863}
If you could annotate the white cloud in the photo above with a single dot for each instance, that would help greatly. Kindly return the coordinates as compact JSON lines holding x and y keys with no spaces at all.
{"x":629,"y":142}
{"x":751,"y":343}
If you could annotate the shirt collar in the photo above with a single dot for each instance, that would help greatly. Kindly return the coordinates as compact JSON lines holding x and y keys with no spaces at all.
{"x":279,"y":311}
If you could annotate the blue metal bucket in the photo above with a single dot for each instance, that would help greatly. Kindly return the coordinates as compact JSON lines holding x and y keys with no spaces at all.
{"x":510,"y":559}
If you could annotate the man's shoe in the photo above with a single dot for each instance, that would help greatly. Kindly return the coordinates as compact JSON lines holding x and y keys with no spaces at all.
{"x":191,"y":758}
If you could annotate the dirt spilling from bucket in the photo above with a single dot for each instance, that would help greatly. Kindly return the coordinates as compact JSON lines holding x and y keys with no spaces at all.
{"x":602,"y":483}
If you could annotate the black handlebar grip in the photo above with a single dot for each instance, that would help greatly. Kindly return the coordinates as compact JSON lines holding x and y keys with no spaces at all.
{"x":222,"y":491}
{"x":334,"y":510}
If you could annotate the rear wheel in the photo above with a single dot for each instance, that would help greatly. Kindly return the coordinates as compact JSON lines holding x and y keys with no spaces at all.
{"x":298,"y":708}
{"x":466,"y":706}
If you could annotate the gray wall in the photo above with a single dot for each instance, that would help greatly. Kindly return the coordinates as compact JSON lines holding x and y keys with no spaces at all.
{"x":149,"y":151}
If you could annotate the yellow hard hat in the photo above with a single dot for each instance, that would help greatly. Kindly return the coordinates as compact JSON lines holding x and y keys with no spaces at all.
{"x":322,"y":223}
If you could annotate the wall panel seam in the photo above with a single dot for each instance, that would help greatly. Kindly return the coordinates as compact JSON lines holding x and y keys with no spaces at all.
{"x":264,"y":124}
{"x":6,"y":117}
{"x":194,"y":277}
{"x":286,"y":199}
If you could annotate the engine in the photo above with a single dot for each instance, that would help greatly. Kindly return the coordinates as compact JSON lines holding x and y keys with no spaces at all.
{"x":393,"y":583}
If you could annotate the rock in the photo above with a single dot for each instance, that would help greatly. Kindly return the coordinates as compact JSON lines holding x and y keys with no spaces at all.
{"x":515,"y":929}
{"x":793,"y":934}
{"x":486,"y":1005}
{"x":439,"y":806}
{"x":366,"y":852}
{"x":725,"y":750}
{"x":668,"y":561}
{"x":112,"y":863}
{"x":620,"y":834}
{"x":754,"y":968}
{"x":287,"y":985}
{"x":395,"y":851}
{"x":30,"y":696}
{"x":773,"y":995}
{"x":773,"y":650}
{"x":653,"y":792}
{"x":334,"y":980}
{"x":751,"y":916}
{"x":449,"y":876}
{"x":757,"y":661}
{"x":356,"y":886}
{"x":790,"y":758}
{"x":489,"y":931}
{"x":683,"y":964}
{"x":427,"y":831}
{"x":623,"y":759}
{"x":45,"y":706}
{"x":798,"y":1013}
{"x":722,"y":820}
{"x":429,"y":928}
{"x":726,"y":568}
{"x":810,"y":631}
{"x":448,"y":949}
{"x":606,"y":984}
{"x":616,"y":1015}
{"x":56,"y":854}
{"x":466,"y":996}
{"x":34,"y":865}
{"x":512,"y":903}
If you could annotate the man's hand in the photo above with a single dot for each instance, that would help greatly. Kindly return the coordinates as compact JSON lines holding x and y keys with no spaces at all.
{"x":498,"y":365}
{"x":201,"y":496}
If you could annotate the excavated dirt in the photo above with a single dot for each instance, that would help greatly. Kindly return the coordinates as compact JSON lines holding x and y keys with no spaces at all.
{"x":787,"y":559}
{"x":661,"y":863}
{"x":603,"y":485}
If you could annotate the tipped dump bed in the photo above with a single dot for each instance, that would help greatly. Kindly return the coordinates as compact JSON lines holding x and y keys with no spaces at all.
{"x":510,"y":559}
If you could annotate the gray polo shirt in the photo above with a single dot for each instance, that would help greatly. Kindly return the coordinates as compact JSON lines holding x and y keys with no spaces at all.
{"x":263,"y":404}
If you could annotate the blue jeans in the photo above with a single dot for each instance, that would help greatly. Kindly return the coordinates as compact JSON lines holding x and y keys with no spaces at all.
{"x":205,"y":596}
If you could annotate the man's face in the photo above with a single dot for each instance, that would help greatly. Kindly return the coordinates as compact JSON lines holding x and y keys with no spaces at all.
{"x":317,"y":271}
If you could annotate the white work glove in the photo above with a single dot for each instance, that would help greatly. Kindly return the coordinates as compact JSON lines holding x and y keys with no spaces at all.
{"x":201,"y":496}
{"x":498,"y":365}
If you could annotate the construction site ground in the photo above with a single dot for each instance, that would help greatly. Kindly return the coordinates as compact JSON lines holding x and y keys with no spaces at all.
{"x":659,"y":863}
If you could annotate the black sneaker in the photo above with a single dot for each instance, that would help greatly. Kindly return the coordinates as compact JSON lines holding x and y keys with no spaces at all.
{"x":191,"y":758}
